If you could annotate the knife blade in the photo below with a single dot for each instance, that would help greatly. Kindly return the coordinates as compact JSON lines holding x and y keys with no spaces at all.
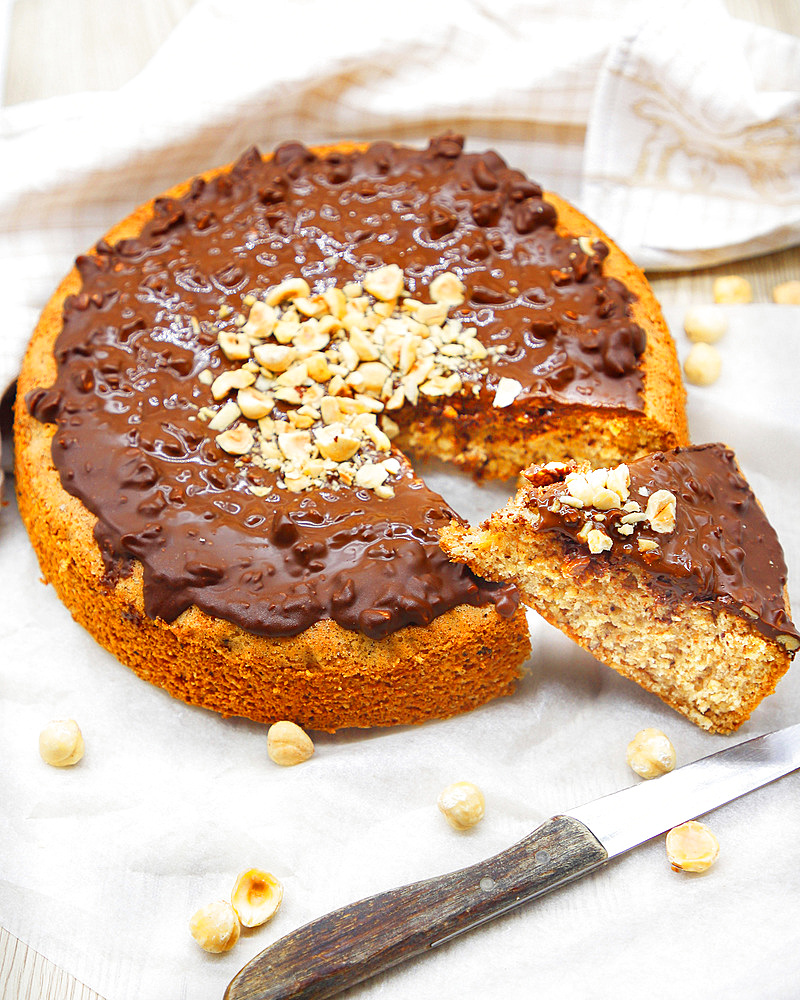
{"x":351,"y":944}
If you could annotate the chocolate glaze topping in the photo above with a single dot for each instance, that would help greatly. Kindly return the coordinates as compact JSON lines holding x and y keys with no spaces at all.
{"x":723,"y":550}
{"x":145,"y":323}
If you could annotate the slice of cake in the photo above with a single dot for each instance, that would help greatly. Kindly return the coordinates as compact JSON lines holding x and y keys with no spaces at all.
{"x":665,"y":569}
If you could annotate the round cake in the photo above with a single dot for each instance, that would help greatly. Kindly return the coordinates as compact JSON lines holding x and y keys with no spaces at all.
{"x":216,"y":411}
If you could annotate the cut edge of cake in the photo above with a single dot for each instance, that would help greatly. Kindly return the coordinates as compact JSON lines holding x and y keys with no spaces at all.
{"x":707,"y":660}
{"x":493,"y":442}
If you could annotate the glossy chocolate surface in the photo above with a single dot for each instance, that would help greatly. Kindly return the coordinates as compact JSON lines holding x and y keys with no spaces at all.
{"x":145,"y":323}
{"x":723,"y":549}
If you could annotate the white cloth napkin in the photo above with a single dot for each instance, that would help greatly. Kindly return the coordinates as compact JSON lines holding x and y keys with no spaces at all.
{"x":693,"y":144}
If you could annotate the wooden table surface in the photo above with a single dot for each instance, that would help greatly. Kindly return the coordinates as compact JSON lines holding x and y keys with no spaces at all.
{"x":44,"y":35}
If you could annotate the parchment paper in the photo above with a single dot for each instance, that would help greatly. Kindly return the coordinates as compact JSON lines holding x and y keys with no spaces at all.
{"x":101,"y":865}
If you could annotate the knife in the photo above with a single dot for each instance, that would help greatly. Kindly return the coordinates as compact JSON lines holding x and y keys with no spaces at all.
{"x":351,"y":944}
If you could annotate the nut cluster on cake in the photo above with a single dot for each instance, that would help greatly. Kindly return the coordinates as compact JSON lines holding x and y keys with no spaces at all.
{"x":591,"y":494}
{"x":320,"y":374}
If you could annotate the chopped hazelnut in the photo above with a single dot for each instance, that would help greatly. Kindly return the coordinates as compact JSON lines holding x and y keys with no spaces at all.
{"x":302,"y":421}
{"x":238,"y":378}
{"x":330,"y":409}
{"x":430,"y":314}
{"x":703,"y":364}
{"x":294,"y":376}
{"x":318,"y":368}
{"x":288,"y":744}
{"x":619,"y":480}
{"x":61,"y":743}
{"x":237,"y":441}
{"x":650,"y":753}
{"x":598,"y":541}
{"x":336,"y":442}
{"x":309,"y":340}
{"x":507,"y":391}
{"x":253,"y":404}
{"x":634,"y":517}
{"x":295,"y":445}
{"x":336,"y":301}
{"x":447,"y":288}
{"x":605,"y":499}
{"x":396,"y":400}
{"x":363,"y":346}
{"x":378,"y":438}
{"x":225,"y":416}
{"x":660,"y":512}
{"x":215,"y":927}
{"x":275,"y":357}
{"x":235,"y":344}
{"x":579,"y":488}
{"x":309,"y":307}
{"x":732,"y":289}
{"x":292,"y":288}
{"x":705,"y":324}
{"x":370,"y":376}
{"x":370,"y":475}
{"x":787,"y":294}
{"x":335,"y":360}
{"x":385,"y":283}
{"x":692,"y":847}
{"x":260,"y":321}
{"x":256,"y":897}
{"x":286,"y":329}
{"x":288,"y":394}
{"x":389,"y":427}
{"x":462,"y":804}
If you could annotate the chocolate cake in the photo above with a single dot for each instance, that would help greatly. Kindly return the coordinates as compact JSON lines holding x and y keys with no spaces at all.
{"x":217,"y":405}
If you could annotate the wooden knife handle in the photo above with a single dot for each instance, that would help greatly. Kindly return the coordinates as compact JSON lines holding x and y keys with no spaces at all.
{"x":342,"y":948}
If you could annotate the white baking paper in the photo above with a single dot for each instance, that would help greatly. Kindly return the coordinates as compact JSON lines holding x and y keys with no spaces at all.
{"x":102,"y":865}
